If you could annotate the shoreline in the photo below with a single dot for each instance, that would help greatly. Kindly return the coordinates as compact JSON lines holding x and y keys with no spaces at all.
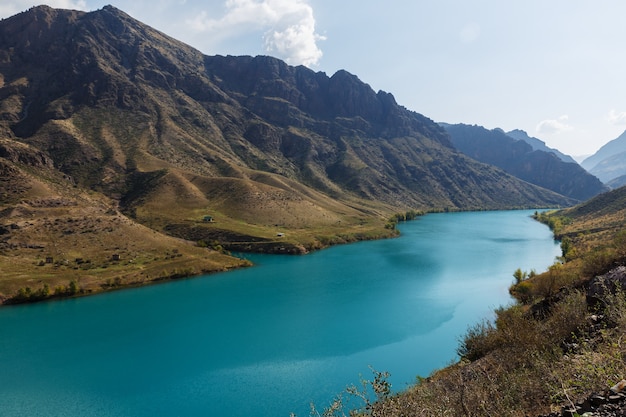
{"x":275,"y":248}
{"x":268,"y":247}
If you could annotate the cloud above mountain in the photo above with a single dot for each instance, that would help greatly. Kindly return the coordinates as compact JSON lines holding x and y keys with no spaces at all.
{"x":551,"y":126}
{"x":288,"y":27}
{"x":617,"y":117}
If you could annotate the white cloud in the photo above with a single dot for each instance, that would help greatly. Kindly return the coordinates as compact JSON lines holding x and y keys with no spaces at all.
{"x":288,"y":26}
{"x":617,"y":117}
{"x":12,"y":7}
{"x":551,"y":126}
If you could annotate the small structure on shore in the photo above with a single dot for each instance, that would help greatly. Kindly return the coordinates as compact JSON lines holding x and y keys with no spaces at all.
{"x":207,"y":219}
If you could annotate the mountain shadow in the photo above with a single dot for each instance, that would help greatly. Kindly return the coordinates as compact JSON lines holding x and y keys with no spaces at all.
{"x":518,"y":158}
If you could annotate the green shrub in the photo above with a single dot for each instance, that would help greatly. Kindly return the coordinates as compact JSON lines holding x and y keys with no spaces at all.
{"x":522,"y":292}
{"x":598,"y":262}
{"x":478,"y":341}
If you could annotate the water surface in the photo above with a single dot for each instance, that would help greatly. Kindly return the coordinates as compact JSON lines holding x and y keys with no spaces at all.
{"x":270,"y":339}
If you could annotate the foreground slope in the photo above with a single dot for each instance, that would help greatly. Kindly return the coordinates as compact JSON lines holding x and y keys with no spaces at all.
{"x":280,"y":158}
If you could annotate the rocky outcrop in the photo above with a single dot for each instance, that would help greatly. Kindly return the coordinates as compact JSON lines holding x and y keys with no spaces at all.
{"x":601,"y":286}
{"x":610,"y":403}
{"x":20,"y":153}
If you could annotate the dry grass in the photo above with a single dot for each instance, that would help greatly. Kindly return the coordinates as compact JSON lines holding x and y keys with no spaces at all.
{"x":524,"y":370}
{"x":55,"y":241}
{"x":259,"y":210}
{"x":44,"y":216}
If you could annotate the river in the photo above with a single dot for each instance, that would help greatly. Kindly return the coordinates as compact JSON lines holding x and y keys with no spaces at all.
{"x":270,"y":339}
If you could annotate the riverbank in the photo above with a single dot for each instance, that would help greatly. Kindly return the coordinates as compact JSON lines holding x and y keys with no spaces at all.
{"x":559,"y":350}
{"x":114,"y":260}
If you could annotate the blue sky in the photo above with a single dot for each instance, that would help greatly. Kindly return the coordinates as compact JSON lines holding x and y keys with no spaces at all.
{"x":555,"y":69}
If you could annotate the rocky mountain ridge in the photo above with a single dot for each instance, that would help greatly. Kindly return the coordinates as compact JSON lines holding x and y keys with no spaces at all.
{"x":518,"y":158}
{"x":239,"y":112}
{"x":110,"y":115}
{"x":538,"y":144}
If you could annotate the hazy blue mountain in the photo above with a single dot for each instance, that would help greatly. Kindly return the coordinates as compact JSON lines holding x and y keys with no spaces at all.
{"x":538,"y":144}
{"x":617,"y":182}
{"x":610,"y":160}
{"x":519,"y":158}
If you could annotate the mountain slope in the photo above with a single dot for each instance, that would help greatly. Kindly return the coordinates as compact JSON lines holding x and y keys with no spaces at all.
{"x":210,"y":115}
{"x":613,"y":147}
{"x":539,"y":145}
{"x":610,"y":168}
{"x":608,"y":162}
{"x":154,"y":130}
{"x":518,"y":158}
{"x":617,"y":182}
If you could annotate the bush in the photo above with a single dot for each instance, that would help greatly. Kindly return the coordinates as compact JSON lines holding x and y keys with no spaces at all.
{"x":73,"y":288}
{"x":567,"y":318}
{"x":598,"y":262}
{"x":522,"y":292}
{"x":478,"y":341}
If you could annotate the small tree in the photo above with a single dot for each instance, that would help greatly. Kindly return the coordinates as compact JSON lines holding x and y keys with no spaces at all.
{"x":73,"y":287}
{"x":519,"y":275}
{"x":568,"y":251}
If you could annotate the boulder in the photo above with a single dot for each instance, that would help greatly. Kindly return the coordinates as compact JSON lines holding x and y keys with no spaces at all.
{"x":603,"y":285}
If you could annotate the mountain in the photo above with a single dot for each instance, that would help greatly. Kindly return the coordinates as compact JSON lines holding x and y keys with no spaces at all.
{"x":518,"y":158}
{"x":610,"y":168}
{"x":539,"y":145}
{"x":105,"y":121}
{"x":609,"y":162}
{"x":617,"y":182}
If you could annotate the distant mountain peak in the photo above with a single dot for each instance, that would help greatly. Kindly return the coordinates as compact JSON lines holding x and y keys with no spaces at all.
{"x":539,"y":145}
{"x":521,"y":159}
{"x":609,"y":162}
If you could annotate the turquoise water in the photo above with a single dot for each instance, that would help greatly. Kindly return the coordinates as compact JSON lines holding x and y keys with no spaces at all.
{"x":268,"y":340}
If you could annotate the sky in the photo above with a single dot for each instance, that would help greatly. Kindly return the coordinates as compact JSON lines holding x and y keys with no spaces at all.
{"x":553,"y":68}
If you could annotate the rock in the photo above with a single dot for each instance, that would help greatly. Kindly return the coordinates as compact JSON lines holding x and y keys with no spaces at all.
{"x":597,"y":400}
{"x":619,"y":387}
{"x":606,"y":284}
{"x":614,"y":399}
{"x":570,"y":412}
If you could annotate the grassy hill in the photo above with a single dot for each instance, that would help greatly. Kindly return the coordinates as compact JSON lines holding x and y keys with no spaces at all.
{"x":59,"y":240}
